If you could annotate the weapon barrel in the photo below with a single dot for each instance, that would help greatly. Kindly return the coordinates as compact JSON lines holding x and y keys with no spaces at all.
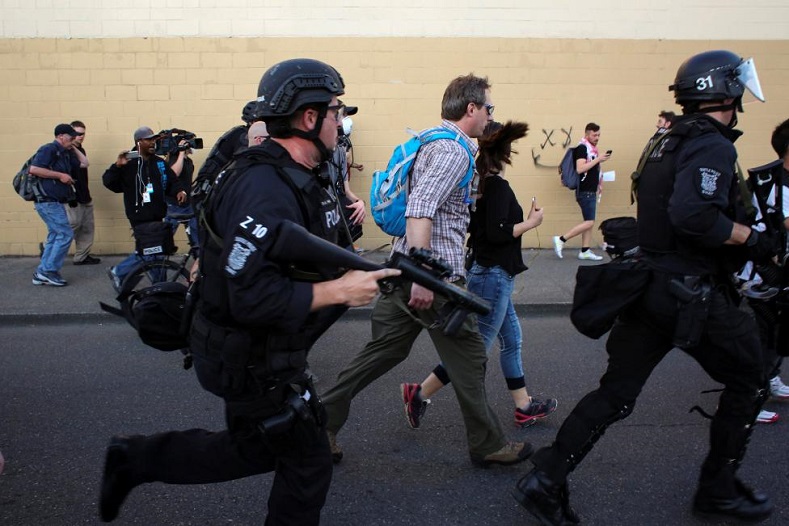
{"x":296,"y":245}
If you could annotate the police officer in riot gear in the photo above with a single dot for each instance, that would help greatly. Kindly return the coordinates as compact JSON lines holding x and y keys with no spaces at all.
{"x":256,"y":318}
{"x":690,"y":242}
{"x":231,"y":142}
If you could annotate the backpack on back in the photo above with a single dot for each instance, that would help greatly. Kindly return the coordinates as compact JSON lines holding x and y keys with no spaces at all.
{"x":389,"y":191}
{"x":26,"y":185}
{"x":567,"y":171}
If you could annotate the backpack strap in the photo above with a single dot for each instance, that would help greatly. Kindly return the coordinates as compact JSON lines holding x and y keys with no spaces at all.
{"x":440,"y":132}
{"x":642,"y":162}
{"x":242,"y":161}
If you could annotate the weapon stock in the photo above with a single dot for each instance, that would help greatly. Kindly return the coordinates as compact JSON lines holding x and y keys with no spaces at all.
{"x":295,"y":244}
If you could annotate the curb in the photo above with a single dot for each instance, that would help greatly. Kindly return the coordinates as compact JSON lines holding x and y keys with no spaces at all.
{"x":354,"y":313}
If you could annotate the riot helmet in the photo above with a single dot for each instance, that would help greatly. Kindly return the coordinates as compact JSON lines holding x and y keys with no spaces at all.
{"x":249,"y":113}
{"x":291,"y":85}
{"x":715,"y":76}
{"x":295,"y":83}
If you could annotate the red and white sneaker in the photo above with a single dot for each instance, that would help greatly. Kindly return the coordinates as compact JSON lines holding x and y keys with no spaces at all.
{"x":766,"y":417}
{"x":778,"y":390}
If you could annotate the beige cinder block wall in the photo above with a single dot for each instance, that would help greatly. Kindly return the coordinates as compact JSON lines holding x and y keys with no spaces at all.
{"x":188,"y":79}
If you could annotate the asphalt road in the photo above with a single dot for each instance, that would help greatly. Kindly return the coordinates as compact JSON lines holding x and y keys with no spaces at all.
{"x":65,"y":389}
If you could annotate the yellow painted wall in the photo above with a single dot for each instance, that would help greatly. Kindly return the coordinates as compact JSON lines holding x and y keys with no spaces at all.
{"x":115,"y":85}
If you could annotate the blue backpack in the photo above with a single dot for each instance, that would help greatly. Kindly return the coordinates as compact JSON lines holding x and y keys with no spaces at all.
{"x":389,"y":191}
{"x":567,"y":171}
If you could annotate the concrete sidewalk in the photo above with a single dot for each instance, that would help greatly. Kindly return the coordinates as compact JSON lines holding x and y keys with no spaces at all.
{"x":547,"y":287}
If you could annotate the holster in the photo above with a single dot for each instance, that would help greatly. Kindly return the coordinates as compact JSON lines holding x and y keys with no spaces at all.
{"x":300,"y":422}
{"x":693,"y":300}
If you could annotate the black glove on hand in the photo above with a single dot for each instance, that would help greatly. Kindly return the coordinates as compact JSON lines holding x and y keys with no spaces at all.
{"x":761,"y":246}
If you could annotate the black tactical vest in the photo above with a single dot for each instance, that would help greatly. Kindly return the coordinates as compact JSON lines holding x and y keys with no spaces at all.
{"x":320,"y":213}
{"x":656,"y":185}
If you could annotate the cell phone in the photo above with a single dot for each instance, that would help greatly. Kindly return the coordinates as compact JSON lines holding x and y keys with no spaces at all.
{"x":609,"y":152}
{"x":132,"y":155}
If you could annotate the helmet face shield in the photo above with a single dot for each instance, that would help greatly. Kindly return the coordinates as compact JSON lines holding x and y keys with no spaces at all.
{"x":747,"y":76}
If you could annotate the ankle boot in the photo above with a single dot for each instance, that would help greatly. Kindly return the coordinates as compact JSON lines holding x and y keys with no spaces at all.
{"x":544,"y":499}
{"x":722,"y":494}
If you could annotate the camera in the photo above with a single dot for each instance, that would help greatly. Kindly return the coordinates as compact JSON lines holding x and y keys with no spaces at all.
{"x":169,"y":141}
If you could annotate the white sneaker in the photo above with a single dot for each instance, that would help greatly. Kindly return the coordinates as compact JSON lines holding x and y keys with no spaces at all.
{"x":766,"y":417}
{"x":778,"y":389}
{"x":558,"y":245}
{"x":589,"y":255}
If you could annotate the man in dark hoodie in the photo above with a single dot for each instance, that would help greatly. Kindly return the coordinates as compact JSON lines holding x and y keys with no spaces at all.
{"x":144,"y":180}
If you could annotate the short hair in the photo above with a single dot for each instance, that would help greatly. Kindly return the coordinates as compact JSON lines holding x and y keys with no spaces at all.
{"x":256,"y":130}
{"x":460,"y":92}
{"x":780,"y":138}
{"x":591,"y":127}
{"x":78,"y":124}
{"x":668,"y":116}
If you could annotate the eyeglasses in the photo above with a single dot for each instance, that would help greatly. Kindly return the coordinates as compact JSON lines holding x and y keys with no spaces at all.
{"x":489,"y":108}
{"x":340,"y":111}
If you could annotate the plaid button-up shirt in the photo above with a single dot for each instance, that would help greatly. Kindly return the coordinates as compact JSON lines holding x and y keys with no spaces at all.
{"x":438,"y":170}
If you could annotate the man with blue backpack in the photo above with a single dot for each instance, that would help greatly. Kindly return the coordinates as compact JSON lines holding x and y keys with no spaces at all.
{"x":436,"y":218}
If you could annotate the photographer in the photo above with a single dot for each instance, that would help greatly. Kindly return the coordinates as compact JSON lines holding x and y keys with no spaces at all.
{"x":178,"y":148}
{"x":144,"y":180}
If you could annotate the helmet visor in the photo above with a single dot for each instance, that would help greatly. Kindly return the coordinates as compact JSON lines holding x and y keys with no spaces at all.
{"x":746,"y":74}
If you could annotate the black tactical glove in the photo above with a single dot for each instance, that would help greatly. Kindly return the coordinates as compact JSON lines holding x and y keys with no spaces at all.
{"x":761,"y":246}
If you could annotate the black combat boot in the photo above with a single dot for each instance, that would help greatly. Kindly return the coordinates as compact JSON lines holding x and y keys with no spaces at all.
{"x":721,"y":494}
{"x":118,"y":479}
{"x":546,"y":500}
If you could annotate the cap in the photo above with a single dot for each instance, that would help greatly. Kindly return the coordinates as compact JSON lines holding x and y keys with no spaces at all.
{"x":144,"y":132}
{"x":65,"y":129}
{"x":349,"y":110}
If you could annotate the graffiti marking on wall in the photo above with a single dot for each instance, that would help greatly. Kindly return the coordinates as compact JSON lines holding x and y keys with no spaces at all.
{"x":568,"y":138}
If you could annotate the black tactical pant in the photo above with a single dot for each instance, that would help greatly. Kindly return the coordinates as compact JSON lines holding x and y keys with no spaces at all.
{"x":299,"y":457}
{"x":769,"y":318}
{"x":729,"y":352}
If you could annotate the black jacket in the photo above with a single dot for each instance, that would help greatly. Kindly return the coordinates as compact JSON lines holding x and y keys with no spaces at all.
{"x":241,"y":287}
{"x":132,"y":180}
{"x":688,"y":199}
